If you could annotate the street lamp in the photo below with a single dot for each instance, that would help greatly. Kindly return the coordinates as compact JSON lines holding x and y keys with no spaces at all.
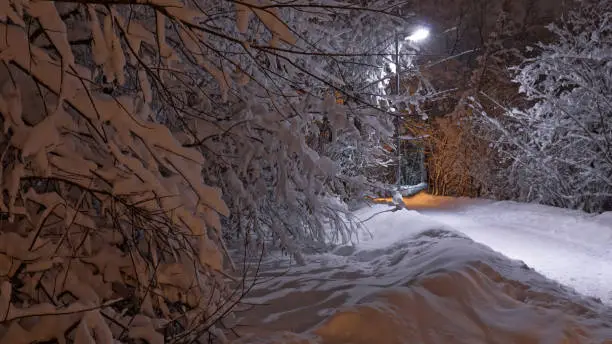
{"x":419,"y":35}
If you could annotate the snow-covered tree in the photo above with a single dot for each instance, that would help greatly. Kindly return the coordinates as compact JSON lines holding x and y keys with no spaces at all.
{"x":558,"y":150}
{"x":141,"y":138}
{"x":484,"y":39}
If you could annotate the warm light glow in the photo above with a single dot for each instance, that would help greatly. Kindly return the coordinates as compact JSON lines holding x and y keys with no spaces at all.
{"x":419,"y":35}
{"x":423,"y":200}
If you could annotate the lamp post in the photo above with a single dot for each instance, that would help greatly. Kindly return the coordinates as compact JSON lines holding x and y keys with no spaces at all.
{"x":398,"y":119}
{"x":420,"y":34}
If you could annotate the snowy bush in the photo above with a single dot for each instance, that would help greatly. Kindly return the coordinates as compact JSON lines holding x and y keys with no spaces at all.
{"x":557,"y":151}
{"x":141,"y":139}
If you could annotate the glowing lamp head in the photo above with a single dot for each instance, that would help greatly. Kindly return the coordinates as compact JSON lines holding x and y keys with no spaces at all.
{"x":419,"y":35}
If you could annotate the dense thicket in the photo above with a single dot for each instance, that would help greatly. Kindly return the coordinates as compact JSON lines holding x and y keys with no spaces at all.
{"x":557,"y":150}
{"x":142,"y":139}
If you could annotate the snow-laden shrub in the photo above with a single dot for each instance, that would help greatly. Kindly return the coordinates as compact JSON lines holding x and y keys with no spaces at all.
{"x":558,"y":151}
{"x":140,"y":139}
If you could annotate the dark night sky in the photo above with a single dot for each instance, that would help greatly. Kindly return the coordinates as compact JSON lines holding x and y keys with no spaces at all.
{"x":462,"y":25}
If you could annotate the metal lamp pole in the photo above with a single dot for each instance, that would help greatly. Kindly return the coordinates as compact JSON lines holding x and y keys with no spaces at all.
{"x":398,"y":125}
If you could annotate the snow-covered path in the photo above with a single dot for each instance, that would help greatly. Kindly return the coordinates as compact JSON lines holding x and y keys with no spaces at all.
{"x":570,"y":247}
{"x":430,"y":275}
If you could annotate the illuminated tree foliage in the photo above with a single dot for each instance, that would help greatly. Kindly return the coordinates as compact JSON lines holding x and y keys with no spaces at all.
{"x":141,"y":140}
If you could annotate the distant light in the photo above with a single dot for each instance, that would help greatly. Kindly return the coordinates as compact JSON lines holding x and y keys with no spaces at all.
{"x":393,"y":109}
{"x":419,"y":35}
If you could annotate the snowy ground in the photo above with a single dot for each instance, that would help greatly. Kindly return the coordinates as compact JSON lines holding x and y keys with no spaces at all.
{"x":441,"y":273}
{"x":571,"y":247}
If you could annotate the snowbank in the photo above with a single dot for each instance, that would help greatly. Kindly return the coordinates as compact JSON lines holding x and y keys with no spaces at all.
{"x":409,"y":190}
{"x":569,"y":246}
{"x":411,"y":280}
{"x":605,"y":218}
